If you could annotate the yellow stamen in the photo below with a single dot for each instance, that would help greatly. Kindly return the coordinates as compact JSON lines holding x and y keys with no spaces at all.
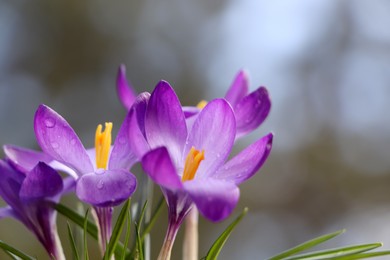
{"x":201,"y":104}
{"x":102,"y":145}
{"x":193,"y":160}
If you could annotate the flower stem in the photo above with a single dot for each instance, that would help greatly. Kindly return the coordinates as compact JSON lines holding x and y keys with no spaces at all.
{"x":103,"y":216}
{"x":173,"y":227}
{"x":190,"y":244}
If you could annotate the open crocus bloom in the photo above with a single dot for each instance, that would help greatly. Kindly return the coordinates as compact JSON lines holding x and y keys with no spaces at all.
{"x":29,"y":196}
{"x":250,"y":109}
{"x":190,"y":166}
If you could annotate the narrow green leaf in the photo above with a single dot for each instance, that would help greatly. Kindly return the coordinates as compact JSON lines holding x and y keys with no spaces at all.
{"x":140,"y":250}
{"x":9,"y":249}
{"x":117,"y":231}
{"x":127,"y":237}
{"x":363,"y":255}
{"x":72,"y":243}
{"x":306,"y":245}
{"x":150,"y":224}
{"x":77,"y":219}
{"x":86,"y":257}
{"x":220,"y":242}
{"x":334,"y":253}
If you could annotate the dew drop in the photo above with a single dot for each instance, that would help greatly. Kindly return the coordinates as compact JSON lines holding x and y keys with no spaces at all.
{"x":100,"y":171}
{"x":50,"y":122}
{"x":100,"y":184}
{"x":55,"y":145}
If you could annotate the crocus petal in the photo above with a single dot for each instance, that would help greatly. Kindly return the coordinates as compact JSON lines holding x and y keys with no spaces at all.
{"x":25,"y":159}
{"x":190,"y":111}
{"x":42,"y":181}
{"x":158,"y":165}
{"x":165,"y":122}
{"x":125,"y":90}
{"x":247,"y":162}
{"x":252,"y":110}
{"x":106,"y":188}
{"x":215,"y":199}
{"x":6,"y":212}
{"x":238,"y":89}
{"x":213,"y":132}
{"x":57,"y":138}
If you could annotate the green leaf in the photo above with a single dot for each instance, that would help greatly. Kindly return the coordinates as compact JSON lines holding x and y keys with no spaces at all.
{"x":117,"y":231}
{"x":9,"y":249}
{"x":86,"y":257}
{"x":140,"y":251}
{"x":72,"y":243}
{"x":150,"y":224}
{"x":220,"y":242}
{"x":306,"y":245}
{"x":127,"y":237}
{"x":363,"y":255}
{"x":335,"y":253}
{"x":77,"y":219}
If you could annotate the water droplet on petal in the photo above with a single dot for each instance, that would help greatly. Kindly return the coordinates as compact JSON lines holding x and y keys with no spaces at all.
{"x":100,"y":184}
{"x":55,"y":145}
{"x":73,"y":141}
{"x":50,"y":122}
{"x":100,"y":171}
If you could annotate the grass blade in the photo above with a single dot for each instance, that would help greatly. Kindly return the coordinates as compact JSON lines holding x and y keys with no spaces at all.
{"x":117,"y":231}
{"x":335,"y":253}
{"x":156,"y":213}
{"x":306,"y":245}
{"x":139,"y":248}
{"x":221,"y":240}
{"x":86,"y":257}
{"x":72,"y":243}
{"x":127,"y":237}
{"x":363,"y":255}
{"x":9,"y":249}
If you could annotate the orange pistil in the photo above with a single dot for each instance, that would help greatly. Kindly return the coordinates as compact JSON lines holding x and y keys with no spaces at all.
{"x":193,"y":160}
{"x":201,"y":104}
{"x":102,"y":145}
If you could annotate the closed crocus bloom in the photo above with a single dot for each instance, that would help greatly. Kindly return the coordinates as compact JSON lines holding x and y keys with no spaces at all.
{"x":30,"y":196}
{"x":190,"y":165}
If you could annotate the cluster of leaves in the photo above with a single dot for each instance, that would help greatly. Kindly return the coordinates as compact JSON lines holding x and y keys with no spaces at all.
{"x":123,"y":251}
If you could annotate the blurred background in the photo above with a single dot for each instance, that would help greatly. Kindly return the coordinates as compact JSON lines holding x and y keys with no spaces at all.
{"x":326,"y":64}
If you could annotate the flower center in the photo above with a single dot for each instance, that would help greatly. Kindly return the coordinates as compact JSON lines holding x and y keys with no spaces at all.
{"x":102,"y":145}
{"x":201,"y":104}
{"x":193,"y":160}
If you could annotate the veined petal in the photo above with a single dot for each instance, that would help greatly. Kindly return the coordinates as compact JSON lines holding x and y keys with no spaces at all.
{"x":238,"y":89}
{"x":247,"y":162}
{"x":213,"y":132}
{"x":42,"y":181}
{"x":125,"y":90}
{"x":106,"y":188}
{"x":215,"y":199}
{"x":57,"y":138}
{"x":25,"y":159}
{"x":252,"y":110}
{"x":158,"y":165}
{"x":165,"y":122}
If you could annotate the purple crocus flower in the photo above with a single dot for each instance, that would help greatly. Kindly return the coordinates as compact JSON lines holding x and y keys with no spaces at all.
{"x":29,"y":196}
{"x":250,"y":109}
{"x":190,"y":164}
{"x":103,"y":178}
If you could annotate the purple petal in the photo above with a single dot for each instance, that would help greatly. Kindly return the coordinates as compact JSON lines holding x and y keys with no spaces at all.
{"x":6,"y":212}
{"x":247,"y":162}
{"x":125,"y":90}
{"x":25,"y":159}
{"x":106,"y":188}
{"x":252,"y":110}
{"x":158,"y":165}
{"x":57,"y":138}
{"x":214,"y":132}
{"x":215,"y":199}
{"x":238,"y":89}
{"x":42,"y":181}
{"x":137,"y":141}
{"x":165,"y":122}
{"x":190,"y":111}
